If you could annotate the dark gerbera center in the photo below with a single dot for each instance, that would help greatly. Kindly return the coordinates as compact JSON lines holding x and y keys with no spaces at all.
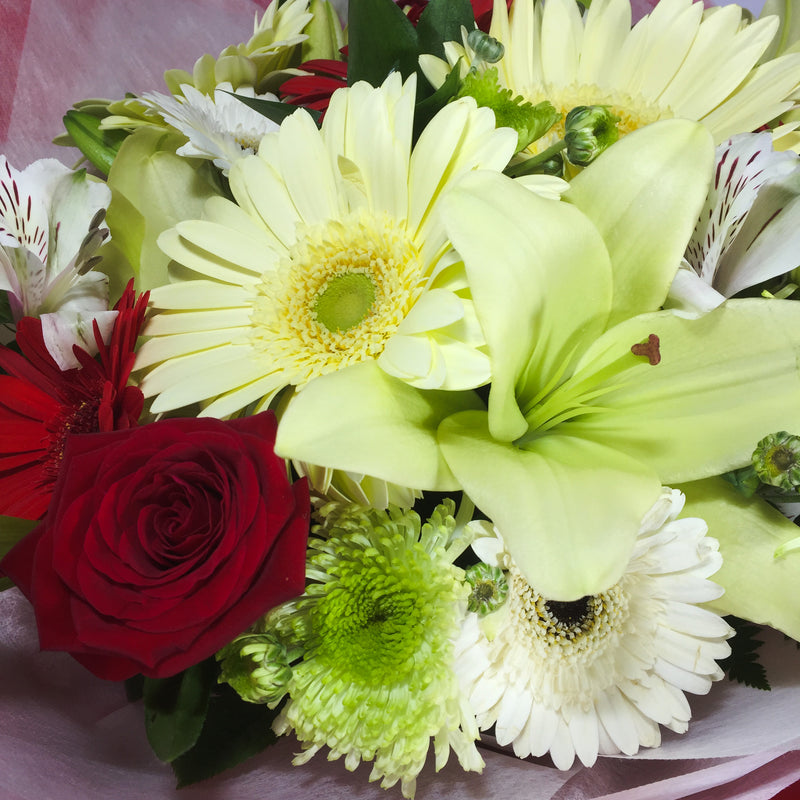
{"x":572,"y":613}
{"x":78,"y":417}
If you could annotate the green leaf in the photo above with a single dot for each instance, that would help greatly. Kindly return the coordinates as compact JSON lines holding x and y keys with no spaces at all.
{"x":381,"y":39}
{"x":758,"y":587}
{"x":742,"y":664}
{"x":744,"y":480}
{"x":176,"y":707}
{"x":273,"y":110}
{"x":440,"y":22}
{"x":427,"y":109}
{"x":234,"y":731}
{"x":12,"y":530}
{"x":99,"y":146}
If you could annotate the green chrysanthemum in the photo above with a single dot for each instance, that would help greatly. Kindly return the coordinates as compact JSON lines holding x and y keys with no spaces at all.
{"x":376,"y":680}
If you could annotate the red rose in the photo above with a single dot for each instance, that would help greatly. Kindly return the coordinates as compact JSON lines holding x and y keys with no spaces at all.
{"x":163,"y":543}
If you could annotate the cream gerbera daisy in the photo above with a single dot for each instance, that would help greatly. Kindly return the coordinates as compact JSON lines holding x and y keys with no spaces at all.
{"x":676,"y":62}
{"x":333,"y":254}
{"x":601,"y":673}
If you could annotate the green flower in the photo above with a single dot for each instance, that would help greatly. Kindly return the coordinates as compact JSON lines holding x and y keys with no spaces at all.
{"x":376,"y":680}
{"x":489,"y":588}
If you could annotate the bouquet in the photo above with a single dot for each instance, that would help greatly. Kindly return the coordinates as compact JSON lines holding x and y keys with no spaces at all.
{"x":417,"y":384}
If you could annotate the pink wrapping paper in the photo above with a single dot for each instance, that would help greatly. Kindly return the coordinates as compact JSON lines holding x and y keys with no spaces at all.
{"x":65,"y":735}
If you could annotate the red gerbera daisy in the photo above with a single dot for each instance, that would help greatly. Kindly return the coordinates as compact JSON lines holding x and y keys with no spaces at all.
{"x":40,"y":405}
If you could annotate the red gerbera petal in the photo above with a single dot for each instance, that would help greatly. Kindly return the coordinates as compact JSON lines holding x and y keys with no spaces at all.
{"x":42,"y":405}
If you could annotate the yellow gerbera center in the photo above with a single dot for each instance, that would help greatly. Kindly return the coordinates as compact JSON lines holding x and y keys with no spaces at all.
{"x":337,"y":297}
{"x":633,"y":112}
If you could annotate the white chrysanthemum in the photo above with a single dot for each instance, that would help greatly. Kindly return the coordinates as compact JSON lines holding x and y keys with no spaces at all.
{"x":222,"y":129}
{"x":600,"y":674}
{"x":749,"y":228}
{"x":50,"y":220}
{"x":334,"y":253}
{"x":676,"y":62}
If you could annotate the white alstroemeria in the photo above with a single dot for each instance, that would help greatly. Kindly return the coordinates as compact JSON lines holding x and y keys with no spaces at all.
{"x":598,"y":675}
{"x":222,"y":129}
{"x":50,"y":230}
{"x":749,"y":229}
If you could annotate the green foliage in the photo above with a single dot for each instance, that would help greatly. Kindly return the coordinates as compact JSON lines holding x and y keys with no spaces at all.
{"x":744,"y":480}
{"x":531,"y":122}
{"x":742,"y":664}
{"x":382,"y":40}
{"x":277,"y":112}
{"x":99,"y":146}
{"x":176,"y":707}
{"x":234,"y":731}
{"x":12,"y":530}
{"x":440,"y":22}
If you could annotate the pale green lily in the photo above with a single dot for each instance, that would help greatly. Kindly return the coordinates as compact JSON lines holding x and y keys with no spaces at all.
{"x":580,"y":433}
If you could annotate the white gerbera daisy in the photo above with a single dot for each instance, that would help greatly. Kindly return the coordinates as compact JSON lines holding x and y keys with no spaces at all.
{"x":333,"y":254}
{"x":676,"y":62}
{"x":221,"y":130}
{"x":601,"y":673}
{"x":749,"y":228}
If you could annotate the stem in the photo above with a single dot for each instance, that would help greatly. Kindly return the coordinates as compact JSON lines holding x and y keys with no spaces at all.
{"x":527,"y":167}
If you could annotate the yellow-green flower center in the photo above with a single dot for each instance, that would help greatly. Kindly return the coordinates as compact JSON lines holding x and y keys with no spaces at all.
{"x":345,"y":301}
{"x":337,"y":297}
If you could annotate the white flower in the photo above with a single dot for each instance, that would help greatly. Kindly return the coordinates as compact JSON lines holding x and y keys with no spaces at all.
{"x":749,"y":228}
{"x":49,"y":232}
{"x":601,"y":673}
{"x":333,"y":254}
{"x":221,"y":130}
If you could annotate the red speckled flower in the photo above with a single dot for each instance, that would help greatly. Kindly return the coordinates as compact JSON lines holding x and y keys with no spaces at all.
{"x":41,"y":405}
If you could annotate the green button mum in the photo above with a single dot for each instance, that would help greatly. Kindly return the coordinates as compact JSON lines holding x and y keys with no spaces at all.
{"x":376,"y":680}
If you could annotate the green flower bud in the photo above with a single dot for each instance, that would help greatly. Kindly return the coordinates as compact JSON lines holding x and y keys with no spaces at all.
{"x":489,"y":588}
{"x":486,"y":47}
{"x":257,"y":666}
{"x":589,"y":130}
{"x":776,"y":460}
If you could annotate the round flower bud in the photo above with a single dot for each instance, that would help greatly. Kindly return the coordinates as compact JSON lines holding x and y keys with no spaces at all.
{"x":257,"y":666}
{"x":486,"y":47}
{"x":589,"y":130}
{"x":776,"y":460}
{"x":489,"y":588}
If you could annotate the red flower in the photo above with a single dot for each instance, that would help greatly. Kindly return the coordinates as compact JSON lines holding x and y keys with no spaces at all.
{"x":40,"y":405}
{"x":314,"y":90}
{"x":163,"y":543}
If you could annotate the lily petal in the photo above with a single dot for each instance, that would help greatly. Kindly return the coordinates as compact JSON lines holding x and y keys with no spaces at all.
{"x":646,"y":228}
{"x":542,"y":291}
{"x":383,"y":427}
{"x":569,"y":510}
{"x":687,"y":416}
{"x":758,"y":586}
